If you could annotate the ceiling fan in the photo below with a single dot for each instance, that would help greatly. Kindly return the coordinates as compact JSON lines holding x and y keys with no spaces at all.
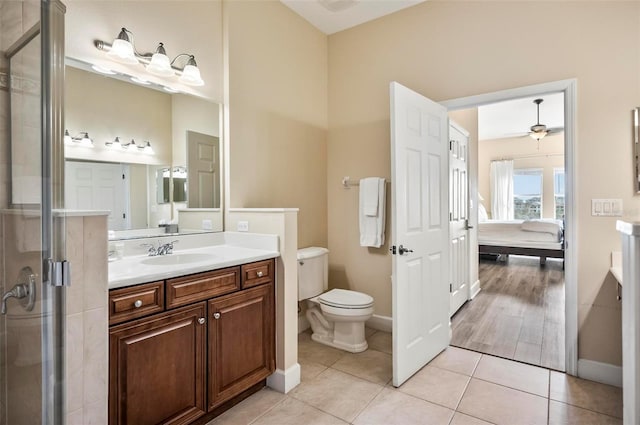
{"x":538,"y":131}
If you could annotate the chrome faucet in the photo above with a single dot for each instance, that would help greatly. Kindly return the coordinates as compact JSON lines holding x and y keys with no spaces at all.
{"x":163,"y":249}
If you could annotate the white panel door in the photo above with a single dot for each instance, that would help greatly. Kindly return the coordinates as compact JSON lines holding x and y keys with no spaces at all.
{"x":98,"y":186}
{"x":420,"y":230}
{"x":458,"y":216}
{"x":204,"y":170}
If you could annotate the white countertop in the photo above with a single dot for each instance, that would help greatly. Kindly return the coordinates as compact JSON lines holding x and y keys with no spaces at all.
{"x":131,"y":270}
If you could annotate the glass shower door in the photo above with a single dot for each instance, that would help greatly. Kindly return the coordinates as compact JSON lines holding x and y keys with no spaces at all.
{"x":31,"y":308}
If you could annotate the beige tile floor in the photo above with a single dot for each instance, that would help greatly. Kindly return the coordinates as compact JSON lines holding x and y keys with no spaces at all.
{"x":459,"y":387}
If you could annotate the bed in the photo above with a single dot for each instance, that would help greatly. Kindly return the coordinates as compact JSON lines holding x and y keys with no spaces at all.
{"x":539,"y":238}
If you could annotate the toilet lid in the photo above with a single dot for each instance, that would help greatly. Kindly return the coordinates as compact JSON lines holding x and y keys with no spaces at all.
{"x":345,"y":298}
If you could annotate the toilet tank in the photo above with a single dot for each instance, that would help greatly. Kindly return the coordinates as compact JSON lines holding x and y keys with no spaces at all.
{"x":313,"y":272}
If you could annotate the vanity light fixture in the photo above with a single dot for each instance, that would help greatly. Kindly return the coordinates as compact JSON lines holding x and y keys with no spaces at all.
{"x":147,"y":148}
{"x":170,"y":90}
{"x":102,"y":70}
{"x":140,"y":81}
{"x":123,"y":50}
{"x":115,"y":144}
{"x":83,"y":139}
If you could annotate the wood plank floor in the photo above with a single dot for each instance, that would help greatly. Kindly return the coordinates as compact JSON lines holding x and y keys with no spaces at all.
{"x":518,"y":314}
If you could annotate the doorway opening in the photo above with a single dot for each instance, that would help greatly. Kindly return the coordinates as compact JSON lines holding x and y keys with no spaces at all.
{"x":521,"y":307}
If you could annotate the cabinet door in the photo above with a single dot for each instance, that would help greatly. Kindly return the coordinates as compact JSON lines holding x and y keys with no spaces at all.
{"x":241,"y":342}
{"x":157,"y":368}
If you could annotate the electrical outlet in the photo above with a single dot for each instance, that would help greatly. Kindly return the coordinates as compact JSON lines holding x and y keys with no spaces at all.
{"x":207,"y":225}
{"x":243,"y":226}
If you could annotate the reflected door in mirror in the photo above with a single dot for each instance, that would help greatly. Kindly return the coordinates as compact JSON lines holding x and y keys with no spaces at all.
{"x":203,"y":166}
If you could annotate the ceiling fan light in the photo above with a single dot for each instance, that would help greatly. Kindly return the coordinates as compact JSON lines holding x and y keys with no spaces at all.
{"x":537,"y":135}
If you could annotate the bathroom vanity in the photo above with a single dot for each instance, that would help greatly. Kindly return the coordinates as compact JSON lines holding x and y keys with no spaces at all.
{"x":185,"y":347}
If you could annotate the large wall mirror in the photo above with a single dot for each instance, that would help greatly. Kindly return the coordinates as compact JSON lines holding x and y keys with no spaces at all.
{"x":145,"y":147}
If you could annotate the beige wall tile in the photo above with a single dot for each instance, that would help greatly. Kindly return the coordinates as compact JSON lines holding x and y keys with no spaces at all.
{"x":74,"y":362}
{"x":95,"y":262}
{"x":76,"y":417}
{"x":75,"y":256}
{"x":95,"y":356}
{"x":96,"y":413}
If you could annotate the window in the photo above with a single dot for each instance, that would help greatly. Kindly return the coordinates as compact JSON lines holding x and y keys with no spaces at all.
{"x":558,"y":192}
{"x":527,"y":194}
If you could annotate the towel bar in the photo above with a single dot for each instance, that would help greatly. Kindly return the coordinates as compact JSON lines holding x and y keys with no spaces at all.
{"x":347,"y":183}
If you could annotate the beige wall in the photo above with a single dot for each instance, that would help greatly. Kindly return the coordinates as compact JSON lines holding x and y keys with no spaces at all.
{"x":526,"y":155}
{"x":451,"y":49}
{"x":106,"y":108}
{"x":278,"y":114}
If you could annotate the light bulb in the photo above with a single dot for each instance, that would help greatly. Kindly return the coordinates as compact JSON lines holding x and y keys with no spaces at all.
{"x":191,"y":74}
{"x":160,"y":64}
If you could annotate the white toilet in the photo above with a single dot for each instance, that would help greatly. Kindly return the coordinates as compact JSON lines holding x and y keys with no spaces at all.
{"x":337,"y":317}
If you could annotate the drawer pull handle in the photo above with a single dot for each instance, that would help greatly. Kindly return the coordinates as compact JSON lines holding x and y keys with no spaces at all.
{"x":201,"y":320}
{"x":216,"y":316}
{"x":259,"y":273}
{"x":137,"y":304}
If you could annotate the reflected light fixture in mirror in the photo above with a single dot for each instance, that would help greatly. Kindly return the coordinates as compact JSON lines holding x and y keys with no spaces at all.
{"x":83,"y":139}
{"x":123,"y":50}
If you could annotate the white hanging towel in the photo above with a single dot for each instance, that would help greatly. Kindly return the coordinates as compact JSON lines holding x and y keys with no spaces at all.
{"x":372,"y":211}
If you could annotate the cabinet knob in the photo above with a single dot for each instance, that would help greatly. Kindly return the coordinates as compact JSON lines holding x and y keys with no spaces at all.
{"x":259,"y":273}
{"x":137,"y":304}
{"x":216,"y":316}
{"x":201,"y":320}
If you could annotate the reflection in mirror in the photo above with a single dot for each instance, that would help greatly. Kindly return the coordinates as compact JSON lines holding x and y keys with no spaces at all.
{"x":203,"y":153}
{"x":107,"y":109}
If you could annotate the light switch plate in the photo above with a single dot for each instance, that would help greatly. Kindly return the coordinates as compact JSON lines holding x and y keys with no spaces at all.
{"x":606,"y":207}
{"x":243,"y":226}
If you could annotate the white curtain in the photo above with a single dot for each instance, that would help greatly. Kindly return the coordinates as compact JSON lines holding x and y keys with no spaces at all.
{"x":502,"y":190}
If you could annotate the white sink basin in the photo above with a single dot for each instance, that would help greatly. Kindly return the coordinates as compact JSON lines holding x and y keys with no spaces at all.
{"x":177,"y":259}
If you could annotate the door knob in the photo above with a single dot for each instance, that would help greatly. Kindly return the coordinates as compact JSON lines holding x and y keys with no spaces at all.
{"x":137,"y":304}
{"x":402,"y":250}
{"x":201,"y":320}
{"x":259,"y":274}
{"x":216,"y":316}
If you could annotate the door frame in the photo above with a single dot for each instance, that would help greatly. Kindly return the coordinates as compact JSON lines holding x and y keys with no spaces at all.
{"x":569,"y":89}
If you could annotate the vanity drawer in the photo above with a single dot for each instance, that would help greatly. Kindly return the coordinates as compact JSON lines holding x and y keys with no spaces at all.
{"x":202,"y":286}
{"x":135,"y":301}
{"x":255,"y":274}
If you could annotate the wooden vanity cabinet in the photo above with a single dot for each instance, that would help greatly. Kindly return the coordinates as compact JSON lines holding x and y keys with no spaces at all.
{"x":241,"y":342}
{"x":157,"y":368}
{"x":188,"y":363}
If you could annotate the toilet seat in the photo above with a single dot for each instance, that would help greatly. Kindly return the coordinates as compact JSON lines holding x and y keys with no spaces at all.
{"x":342,"y":298}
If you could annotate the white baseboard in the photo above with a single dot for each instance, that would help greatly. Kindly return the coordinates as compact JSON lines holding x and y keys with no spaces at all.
{"x":303,"y":323}
{"x":284,"y":381}
{"x":380,"y":323}
{"x":475,"y":288}
{"x":604,"y":373}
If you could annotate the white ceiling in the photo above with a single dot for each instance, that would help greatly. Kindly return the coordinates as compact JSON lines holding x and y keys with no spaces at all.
{"x":514,"y":118}
{"x":331,"y":16}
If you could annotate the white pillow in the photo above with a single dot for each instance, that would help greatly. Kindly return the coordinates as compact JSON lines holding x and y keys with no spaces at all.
{"x":482,"y":213}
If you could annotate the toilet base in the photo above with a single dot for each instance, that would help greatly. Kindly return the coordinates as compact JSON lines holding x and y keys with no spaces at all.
{"x":334,"y":331}
{"x":328,"y":340}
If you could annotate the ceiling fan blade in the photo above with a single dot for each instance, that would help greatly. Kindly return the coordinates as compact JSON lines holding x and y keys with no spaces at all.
{"x":555,"y":130}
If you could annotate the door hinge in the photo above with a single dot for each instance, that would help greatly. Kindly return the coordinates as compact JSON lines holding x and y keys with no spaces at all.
{"x":124,"y":215}
{"x":393,"y":250}
{"x":450,"y":145}
{"x":58,"y":272}
{"x":123,"y":176}
{"x":451,"y":287}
